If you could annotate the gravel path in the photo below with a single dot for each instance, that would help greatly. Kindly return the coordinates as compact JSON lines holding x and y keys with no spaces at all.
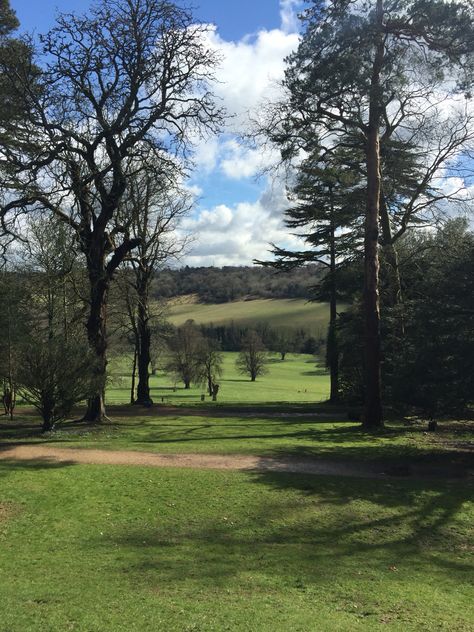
{"x":220,"y":462}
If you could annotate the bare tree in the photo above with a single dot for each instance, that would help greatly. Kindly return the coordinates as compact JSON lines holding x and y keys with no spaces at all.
{"x":129,"y":78}
{"x":252,"y":359}
{"x":156,"y":205}
{"x":209,"y":365}
{"x":183,"y":351}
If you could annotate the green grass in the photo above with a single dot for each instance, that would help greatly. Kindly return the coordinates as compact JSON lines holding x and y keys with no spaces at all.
{"x":281,"y":430}
{"x":103,"y":548}
{"x":278,"y":313}
{"x":296,"y":379}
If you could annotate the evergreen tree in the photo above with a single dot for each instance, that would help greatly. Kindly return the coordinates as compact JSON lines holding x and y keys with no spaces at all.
{"x":376,"y":69}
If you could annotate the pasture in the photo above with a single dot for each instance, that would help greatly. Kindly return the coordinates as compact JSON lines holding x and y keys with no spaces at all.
{"x":298,"y":378}
{"x":278,"y":313}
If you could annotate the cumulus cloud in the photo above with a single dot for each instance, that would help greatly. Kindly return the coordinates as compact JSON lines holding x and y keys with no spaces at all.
{"x":237,"y":234}
{"x":250,"y":73}
{"x":239,"y":162}
{"x":289,"y":15}
{"x":250,"y":70}
{"x":237,"y":231}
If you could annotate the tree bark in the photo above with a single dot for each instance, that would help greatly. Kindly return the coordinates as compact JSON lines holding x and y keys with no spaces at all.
{"x":333,"y":352}
{"x":134,"y":373}
{"x":144,"y":336}
{"x":97,"y":337}
{"x":390,"y":256}
{"x":373,"y":398}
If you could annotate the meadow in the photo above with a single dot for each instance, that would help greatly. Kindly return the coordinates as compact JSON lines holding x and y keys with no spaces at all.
{"x":298,"y":378}
{"x":278,"y":313}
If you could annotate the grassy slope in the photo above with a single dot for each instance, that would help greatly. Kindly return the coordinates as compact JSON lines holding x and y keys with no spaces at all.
{"x":296,"y":379}
{"x":97,"y":548}
{"x":291,"y":313}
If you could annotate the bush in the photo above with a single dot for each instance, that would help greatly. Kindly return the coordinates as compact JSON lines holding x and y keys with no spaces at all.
{"x":54,"y":375}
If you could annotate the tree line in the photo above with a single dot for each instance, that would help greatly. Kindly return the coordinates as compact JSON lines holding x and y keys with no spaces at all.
{"x":231,"y":283}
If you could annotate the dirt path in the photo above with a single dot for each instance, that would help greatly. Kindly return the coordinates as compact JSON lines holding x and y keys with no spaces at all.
{"x":221,"y":462}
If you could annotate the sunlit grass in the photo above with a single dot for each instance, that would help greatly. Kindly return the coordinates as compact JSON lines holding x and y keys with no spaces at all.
{"x":94,"y":548}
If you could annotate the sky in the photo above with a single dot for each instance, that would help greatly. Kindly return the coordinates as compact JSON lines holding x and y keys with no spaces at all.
{"x":238,"y":212}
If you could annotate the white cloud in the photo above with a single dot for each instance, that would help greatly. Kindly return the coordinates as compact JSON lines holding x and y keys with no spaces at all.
{"x":206,"y":154}
{"x":289,"y":15}
{"x":235,"y":235}
{"x":250,"y":73}
{"x":250,"y":70}
{"x":239,"y":162}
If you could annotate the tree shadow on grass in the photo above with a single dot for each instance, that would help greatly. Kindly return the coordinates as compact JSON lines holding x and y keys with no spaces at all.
{"x":318,"y":528}
{"x":316,"y":372}
{"x":8,"y":466}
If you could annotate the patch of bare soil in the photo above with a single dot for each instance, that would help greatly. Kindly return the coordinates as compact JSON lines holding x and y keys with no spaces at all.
{"x":7,"y":511}
{"x":240,"y":462}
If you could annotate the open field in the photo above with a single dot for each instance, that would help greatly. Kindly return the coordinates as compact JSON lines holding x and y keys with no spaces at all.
{"x":118,"y":548}
{"x":299,"y":378}
{"x":95,"y":548}
{"x":278,"y":313}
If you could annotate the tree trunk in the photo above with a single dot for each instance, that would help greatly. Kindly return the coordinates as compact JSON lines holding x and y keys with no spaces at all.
{"x":48,"y":423}
{"x":332,"y":350}
{"x":390,"y":256}
{"x":97,"y":337}
{"x":144,"y":342}
{"x":209,"y":383}
{"x":373,"y":398}
{"x":134,"y":373}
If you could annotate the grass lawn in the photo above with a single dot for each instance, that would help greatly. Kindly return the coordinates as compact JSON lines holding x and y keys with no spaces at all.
{"x":296,"y":379}
{"x":105,"y":548}
{"x":278,"y":313}
{"x":257,"y":430}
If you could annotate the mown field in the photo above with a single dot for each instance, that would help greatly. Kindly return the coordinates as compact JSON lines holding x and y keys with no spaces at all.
{"x":299,"y":378}
{"x":107,"y":548}
{"x":278,"y":313}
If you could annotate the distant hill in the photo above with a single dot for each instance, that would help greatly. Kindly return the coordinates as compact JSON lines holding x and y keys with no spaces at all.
{"x":289,"y":314}
{"x":231,"y":283}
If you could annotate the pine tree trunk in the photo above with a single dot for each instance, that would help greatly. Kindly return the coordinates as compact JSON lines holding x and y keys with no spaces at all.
{"x":332,"y":351}
{"x":390,"y":256}
{"x":373,"y":397}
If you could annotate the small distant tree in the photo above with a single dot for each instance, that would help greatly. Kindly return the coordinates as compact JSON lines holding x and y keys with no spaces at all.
{"x":209,"y":363}
{"x":183,"y":351}
{"x":284,"y":344}
{"x":252,"y":358}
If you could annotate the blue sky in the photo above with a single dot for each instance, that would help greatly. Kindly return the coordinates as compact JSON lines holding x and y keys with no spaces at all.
{"x":237,"y":213}
{"x":235,"y":18}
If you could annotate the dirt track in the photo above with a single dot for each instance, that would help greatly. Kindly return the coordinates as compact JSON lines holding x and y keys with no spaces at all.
{"x":217,"y":462}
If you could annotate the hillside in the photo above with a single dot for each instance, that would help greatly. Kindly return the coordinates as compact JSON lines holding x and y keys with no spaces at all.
{"x":278,"y":313}
{"x":232,"y":283}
